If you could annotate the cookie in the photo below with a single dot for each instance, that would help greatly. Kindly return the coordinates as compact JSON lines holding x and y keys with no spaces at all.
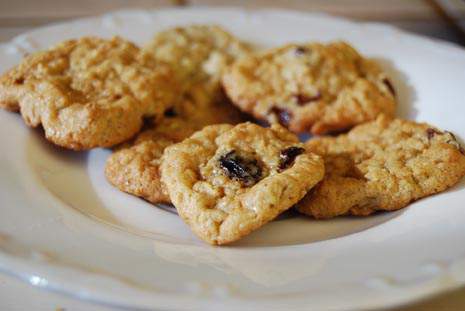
{"x":312,"y":87}
{"x":383,"y":165}
{"x":198,"y":53}
{"x":88,"y":92}
{"x":226,"y":181}
{"x":134,"y":167}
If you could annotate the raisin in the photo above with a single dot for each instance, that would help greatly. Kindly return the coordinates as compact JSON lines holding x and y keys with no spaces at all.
{"x":288,"y":155}
{"x":117,"y":97}
{"x":284,"y":116}
{"x":19,"y":80}
{"x":170,"y":113}
{"x":430,"y":132}
{"x":303,"y":99}
{"x":246,"y":171}
{"x":389,"y":86}
{"x":147,"y":123}
{"x":300,"y":50}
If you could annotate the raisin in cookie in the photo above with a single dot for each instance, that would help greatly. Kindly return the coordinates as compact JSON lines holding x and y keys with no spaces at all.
{"x":89,"y":92}
{"x":226,"y":181}
{"x":198,"y":53}
{"x":134,"y":167}
{"x":310,"y":87}
{"x":382,"y":165}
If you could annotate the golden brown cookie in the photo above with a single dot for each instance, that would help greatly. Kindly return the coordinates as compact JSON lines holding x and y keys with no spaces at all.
{"x":382,"y":165}
{"x":198,"y":53}
{"x":134,"y":167}
{"x":310,"y":87}
{"x":226,"y":181}
{"x":89,"y":92}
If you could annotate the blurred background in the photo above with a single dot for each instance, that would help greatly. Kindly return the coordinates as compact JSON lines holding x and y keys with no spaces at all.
{"x":443,"y":19}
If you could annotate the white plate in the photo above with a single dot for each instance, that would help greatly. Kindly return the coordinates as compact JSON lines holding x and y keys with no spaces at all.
{"x":64,"y":228}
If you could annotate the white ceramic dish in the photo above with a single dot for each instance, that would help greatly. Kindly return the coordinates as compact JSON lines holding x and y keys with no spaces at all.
{"x":64,"y":228}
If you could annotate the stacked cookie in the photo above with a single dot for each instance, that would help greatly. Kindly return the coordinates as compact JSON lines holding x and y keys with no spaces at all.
{"x":176,"y":113}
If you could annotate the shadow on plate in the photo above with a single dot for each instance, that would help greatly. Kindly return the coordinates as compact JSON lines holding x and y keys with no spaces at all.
{"x":38,"y":140}
{"x":294,"y":229}
{"x":63,"y":173}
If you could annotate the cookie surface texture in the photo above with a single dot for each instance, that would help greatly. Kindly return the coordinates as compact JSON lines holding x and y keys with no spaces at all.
{"x":312,"y":87}
{"x":89,"y":92}
{"x":226,"y":181}
{"x":383,"y":165}
{"x":198,"y":53}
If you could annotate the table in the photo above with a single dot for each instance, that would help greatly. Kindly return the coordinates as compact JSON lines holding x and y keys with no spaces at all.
{"x":418,"y":16}
{"x":413,"y":15}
